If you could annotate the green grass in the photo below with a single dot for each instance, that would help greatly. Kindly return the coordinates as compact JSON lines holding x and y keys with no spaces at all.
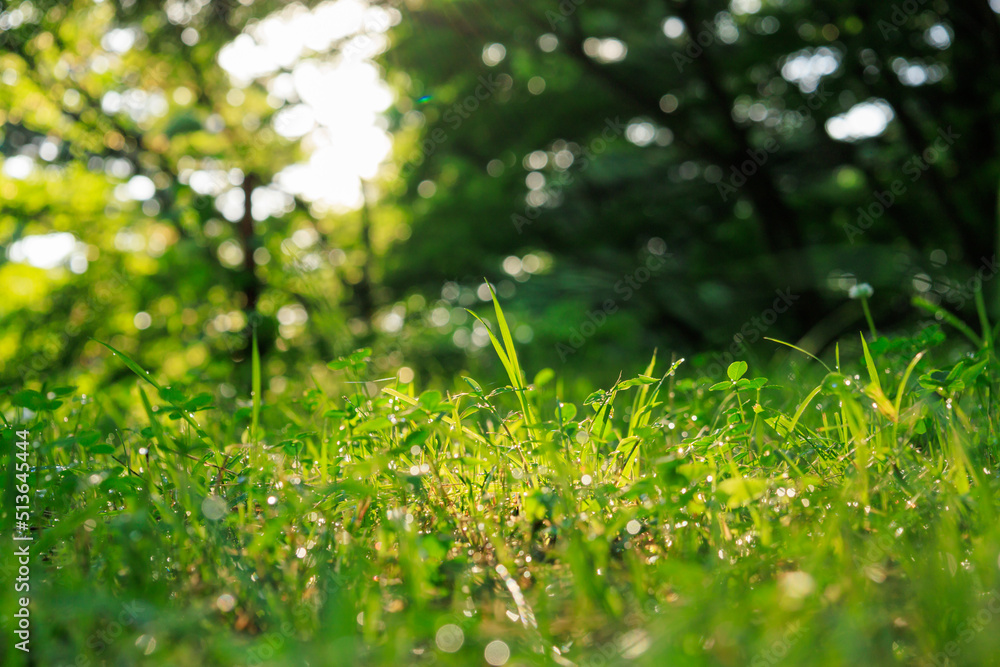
{"x":824,"y":516}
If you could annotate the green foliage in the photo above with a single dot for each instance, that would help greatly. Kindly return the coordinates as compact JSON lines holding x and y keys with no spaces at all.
{"x":636,"y":157}
{"x":615,"y":157}
{"x":303,"y":435}
{"x":93,"y":119}
{"x":386,"y":527}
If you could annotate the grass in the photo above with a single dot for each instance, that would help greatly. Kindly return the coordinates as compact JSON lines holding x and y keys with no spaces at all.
{"x":842,"y":512}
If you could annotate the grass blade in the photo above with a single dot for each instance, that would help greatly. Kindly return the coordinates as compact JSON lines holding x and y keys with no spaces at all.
{"x":255,"y":381}
{"x":799,"y":349}
{"x":145,"y":375}
{"x":802,"y":408}
{"x":943,"y":314}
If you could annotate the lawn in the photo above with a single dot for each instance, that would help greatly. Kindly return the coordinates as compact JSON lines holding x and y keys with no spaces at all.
{"x":827,"y":511}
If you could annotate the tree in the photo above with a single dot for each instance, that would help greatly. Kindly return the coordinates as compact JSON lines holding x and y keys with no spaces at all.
{"x":168,"y":170}
{"x":793,"y":146}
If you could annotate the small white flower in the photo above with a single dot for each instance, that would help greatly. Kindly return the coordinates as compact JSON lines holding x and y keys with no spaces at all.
{"x":861,"y":291}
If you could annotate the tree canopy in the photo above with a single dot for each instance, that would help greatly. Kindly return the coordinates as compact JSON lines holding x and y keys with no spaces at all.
{"x":656,"y":174}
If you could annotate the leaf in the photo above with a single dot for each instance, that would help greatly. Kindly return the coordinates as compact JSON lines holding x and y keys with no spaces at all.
{"x":162,"y":437}
{"x":199,"y":402}
{"x":475,"y":385}
{"x":86,"y":439}
{"x":808,"y":354}
{"x":33,"y":400}
{"x":376,"y":424}
{"x":416,"y":438}
{"x":360,"y":356}
{"x":355,"y":360}
{"x":447,"y":420}
{"x":736,"y":370}
{"x":508,"y":357}
{"x":970,"y":374}
{"x":781,"y":424}
{"x":429,"y":400}
{"x":183,"y":123}
{"x":144,"y":375}
{"x":874,"y":390}
{"x":134,"y":367}
{"x":906,"y":377}
{"x":802,"y":408}
{"x":498,"y":348}
{"x":882,"y":402}
{"x":695,"y":471}
{"x":742,"y":490}
{"x":543,"y":377}
{"x":636,"y":381}
{"x":629,"y":448}
{"x":945,"y":315}
{"x":872,"y":370}
{"x":172,"y":395}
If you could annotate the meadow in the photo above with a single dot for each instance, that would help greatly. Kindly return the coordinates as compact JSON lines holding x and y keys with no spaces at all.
{"x":820,"y":511}
{"x":449,"y":332}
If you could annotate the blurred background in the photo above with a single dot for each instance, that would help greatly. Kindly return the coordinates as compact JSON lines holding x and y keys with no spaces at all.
{"x":687,"y":176}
